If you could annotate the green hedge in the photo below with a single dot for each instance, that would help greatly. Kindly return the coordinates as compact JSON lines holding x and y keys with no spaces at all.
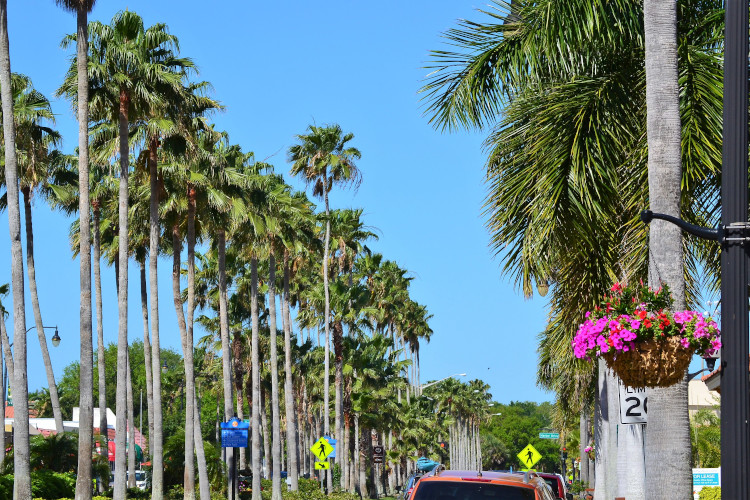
{"x":44,"y":484}
{"x":710,"y":493}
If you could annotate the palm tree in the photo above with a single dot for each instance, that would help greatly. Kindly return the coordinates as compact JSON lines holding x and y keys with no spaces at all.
{"x":569,"y":130}
{"x":22,"y":473}
{"x":129,"y":70}
{"x":103,"y":189}
{"x":668,"y":436}
{"x":323,"y":158}
{"x":86,"y":417}
{"x":297,"y":231}
{"x":36,"y":164}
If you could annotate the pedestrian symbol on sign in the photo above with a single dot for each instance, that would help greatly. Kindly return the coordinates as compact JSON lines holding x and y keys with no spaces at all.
{"x":529,"y":456}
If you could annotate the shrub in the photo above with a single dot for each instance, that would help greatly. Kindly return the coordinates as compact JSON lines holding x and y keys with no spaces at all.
{"x":52,"y":485}
{"x":710,"y":493}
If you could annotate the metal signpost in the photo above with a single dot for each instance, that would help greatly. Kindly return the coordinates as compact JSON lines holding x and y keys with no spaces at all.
{"x":529,"y":457}
{"x":234,"y":435}
{"x":735,"y":401}
{"x":322,"y":449}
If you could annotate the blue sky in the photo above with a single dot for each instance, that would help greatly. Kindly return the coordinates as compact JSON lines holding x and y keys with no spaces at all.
{"x":277,"y":67}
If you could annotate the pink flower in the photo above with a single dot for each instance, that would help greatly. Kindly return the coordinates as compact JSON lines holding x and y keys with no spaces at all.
{"x":685,"y":342}
{"x":617,"y":288}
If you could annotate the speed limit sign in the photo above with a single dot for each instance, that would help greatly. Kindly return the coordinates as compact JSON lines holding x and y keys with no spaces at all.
{"x":633,"y":405}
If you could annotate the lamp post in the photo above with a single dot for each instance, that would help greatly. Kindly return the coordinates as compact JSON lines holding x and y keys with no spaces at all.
{"x":422,"y":387}
{"x":55,"y":338}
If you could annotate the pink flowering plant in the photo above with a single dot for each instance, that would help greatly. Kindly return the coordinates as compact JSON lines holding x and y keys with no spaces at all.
{"x":631,"y":314}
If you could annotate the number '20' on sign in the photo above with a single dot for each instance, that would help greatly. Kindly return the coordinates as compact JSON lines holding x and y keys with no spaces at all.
{"x":633,"y":405}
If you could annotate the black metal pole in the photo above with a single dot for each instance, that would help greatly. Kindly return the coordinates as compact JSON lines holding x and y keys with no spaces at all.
{"x":235,"y":473}
{"x":735,"y":389}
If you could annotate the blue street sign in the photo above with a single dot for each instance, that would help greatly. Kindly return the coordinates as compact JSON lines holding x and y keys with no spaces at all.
{"x":234,"y":433}
{"x":332,"y":443}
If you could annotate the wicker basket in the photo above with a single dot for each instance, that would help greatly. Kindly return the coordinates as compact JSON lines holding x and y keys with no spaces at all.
{"x":651,"y":363}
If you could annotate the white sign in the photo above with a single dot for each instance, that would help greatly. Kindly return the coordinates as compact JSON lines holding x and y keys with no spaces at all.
{"x":705,"y":477}
{"x":633,"y":405}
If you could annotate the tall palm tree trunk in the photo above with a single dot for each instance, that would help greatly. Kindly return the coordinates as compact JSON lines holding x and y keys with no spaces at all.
{"x":122,"y":298}
{"x":131,"y":428}
{"x":189,"y":356}
{"x":86,"y":384}
{"x":338,"y":353}
{"x":585,"y":440}
{"x":226,"y":360}
{"x":200,"y":453}
{"x":275,"y":412}
{"x":147,"y":353}
{"x":326,"y":322}
{"x":291,"y":427}
{"x":189,"y":476}
{"x":7,"y":355}
{"x":157,"y":439}
{"x":266,"y":438}
{"x":3,"y":336}
{"x":22,"y":482}
{"x":100,"y":349}
{"x":255,"y":356}
{"x":668,"y":472}
{"x":31,"y":271}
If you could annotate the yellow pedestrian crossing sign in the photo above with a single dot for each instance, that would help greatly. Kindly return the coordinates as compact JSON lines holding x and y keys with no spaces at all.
{"x":322,"y":448}
{"x":529,"y":456}
{"x":322,"y":465}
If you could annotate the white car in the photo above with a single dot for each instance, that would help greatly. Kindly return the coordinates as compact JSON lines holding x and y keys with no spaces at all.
{"x":140,"y":479}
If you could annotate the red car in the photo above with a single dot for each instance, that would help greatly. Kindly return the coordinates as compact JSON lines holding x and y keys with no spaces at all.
{"x":557,"y":484}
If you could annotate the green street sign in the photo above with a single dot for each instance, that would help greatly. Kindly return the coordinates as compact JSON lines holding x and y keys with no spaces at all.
{"x":549,"y":435}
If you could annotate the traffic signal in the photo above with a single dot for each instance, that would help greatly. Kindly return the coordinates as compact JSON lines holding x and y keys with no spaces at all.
{"x":443,"y":445}
{"x":564,"y":453}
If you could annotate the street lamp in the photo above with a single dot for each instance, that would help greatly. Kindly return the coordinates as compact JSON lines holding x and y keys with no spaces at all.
{"x":55,"y":338}
{"x":422,"y":387}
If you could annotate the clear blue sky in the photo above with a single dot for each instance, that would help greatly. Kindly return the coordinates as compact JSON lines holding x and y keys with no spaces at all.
{"x":277,"y":67}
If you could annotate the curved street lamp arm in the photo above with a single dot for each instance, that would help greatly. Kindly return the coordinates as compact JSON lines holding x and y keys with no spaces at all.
{"x":706,"y":233}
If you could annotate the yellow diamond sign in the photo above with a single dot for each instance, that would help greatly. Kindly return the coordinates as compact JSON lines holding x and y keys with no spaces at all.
{"x":322,"y":465}
{"x":322,"y":448}
{"x":529,"y":456}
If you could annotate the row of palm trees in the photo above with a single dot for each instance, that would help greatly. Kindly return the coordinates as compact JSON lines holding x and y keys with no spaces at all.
{"x":596,"y":111}
{"x":137,"y":104}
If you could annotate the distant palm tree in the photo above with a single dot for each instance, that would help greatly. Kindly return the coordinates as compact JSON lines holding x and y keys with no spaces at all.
{"x":322,"y":157}
{"x":83,"y":481}
{"x":22,"y":472}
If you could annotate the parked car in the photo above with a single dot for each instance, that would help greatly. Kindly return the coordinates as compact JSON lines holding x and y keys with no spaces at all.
{"x":443,"y":484}
{"x":411,"y":483}
{"x":140,"y":479}
{"x":556,"y":482}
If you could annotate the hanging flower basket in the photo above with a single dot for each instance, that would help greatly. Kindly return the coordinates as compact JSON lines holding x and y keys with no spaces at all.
{"x":644,"y":343}
{"x":590,"y":451}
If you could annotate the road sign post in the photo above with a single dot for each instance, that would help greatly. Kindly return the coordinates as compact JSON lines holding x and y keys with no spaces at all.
{"x":321,"y":449}
{"x":529,"y":456}
{"x":234,"y":435}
